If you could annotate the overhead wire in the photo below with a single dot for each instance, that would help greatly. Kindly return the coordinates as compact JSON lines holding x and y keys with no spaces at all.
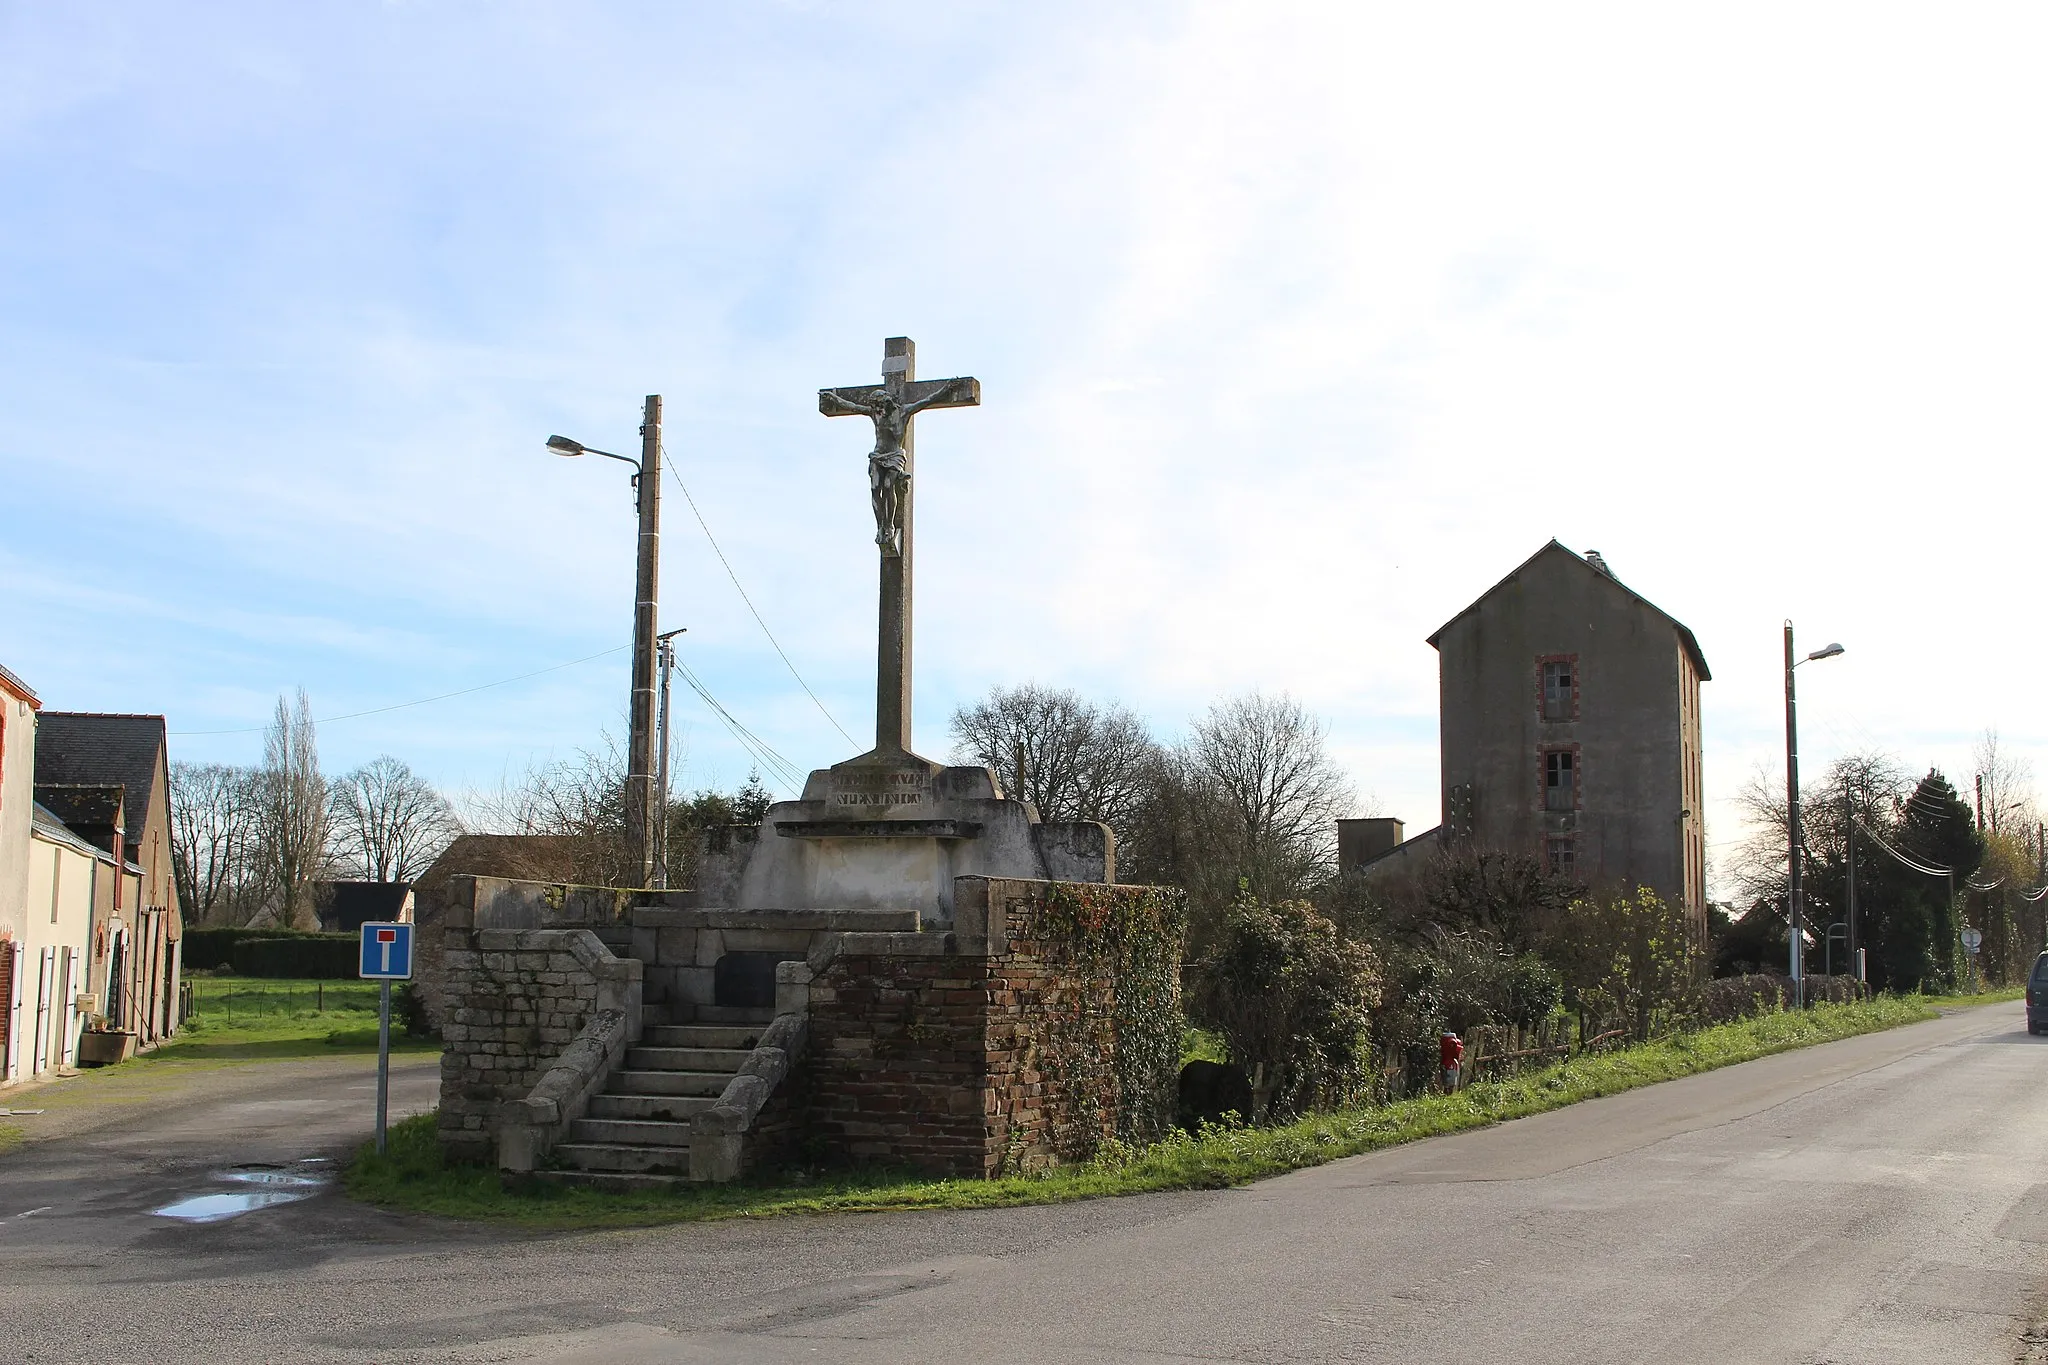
{"x":443,"y":696}
{"x":706,"y":528}
{"x":786,"y":773}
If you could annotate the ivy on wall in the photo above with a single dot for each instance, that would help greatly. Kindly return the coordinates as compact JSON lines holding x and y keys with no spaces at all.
{"x":1134,"y":936}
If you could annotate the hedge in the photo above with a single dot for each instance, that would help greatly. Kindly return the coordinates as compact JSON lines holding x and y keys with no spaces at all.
{"x":300,"y":957}
{"x":207,"y":948}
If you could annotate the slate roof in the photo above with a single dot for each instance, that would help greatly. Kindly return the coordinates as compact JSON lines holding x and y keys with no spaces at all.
{"x":1685,"y":635}
{"x":46,"y":824}
{"x":84,"y":747}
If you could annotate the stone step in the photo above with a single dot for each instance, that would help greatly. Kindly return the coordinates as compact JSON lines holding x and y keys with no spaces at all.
{"x":686,"y":1058}
{"x":701,"y":1035}
{"x":666,"y":1108}
{"x":621,"y":1182}
{"x":631,"y":1082}
{"x":608,"y":1156}
{"x":630,"y":1132}
{"x":721,"y":1014}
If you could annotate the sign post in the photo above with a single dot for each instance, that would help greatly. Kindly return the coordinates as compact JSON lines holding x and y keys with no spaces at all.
{"x":386,"y":957}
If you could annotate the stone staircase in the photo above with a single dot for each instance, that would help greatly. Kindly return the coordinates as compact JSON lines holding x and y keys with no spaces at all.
{"x":636,"y":1132}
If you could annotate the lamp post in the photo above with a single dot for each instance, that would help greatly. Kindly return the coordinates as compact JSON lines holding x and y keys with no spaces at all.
{"x":640,"y":714}
{"x":1795,"y":907}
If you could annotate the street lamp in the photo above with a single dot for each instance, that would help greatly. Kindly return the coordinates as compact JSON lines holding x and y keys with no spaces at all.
{"x":1795,"y":907}
{"x":640,"y":715}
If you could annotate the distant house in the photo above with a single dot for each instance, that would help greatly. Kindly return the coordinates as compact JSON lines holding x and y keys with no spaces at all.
{"x":345,"y":907}
{"x":107,"y":779}
{"x":1570,"y":728}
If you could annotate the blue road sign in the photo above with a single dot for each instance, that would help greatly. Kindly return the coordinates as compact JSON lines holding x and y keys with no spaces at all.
{"x":387,"y":952}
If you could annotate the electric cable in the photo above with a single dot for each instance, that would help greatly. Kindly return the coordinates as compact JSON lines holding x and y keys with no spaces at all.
{"x":705,"y":527}
{"x":400,"y":706}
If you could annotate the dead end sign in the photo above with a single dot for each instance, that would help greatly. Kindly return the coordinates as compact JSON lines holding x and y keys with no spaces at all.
{"x":387,"y":952}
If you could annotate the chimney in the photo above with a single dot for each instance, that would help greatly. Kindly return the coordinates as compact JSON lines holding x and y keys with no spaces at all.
{"x":1360,"y":841}
{"x":1593,"y":557}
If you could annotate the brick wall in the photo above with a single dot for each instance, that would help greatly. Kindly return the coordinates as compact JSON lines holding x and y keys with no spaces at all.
{"x":517,"y":999}
{"x":974,"y":1053}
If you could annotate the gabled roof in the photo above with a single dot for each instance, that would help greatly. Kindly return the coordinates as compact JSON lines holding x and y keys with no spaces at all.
{"x":13,"y":683}
{"x":45,"y":825}
{"x":82,"y":747}
{"x":1685,"y":635}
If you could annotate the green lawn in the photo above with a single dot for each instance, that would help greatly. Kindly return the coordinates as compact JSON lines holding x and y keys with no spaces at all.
{"x":254,"y":1017}
{"x":414,"y":1177}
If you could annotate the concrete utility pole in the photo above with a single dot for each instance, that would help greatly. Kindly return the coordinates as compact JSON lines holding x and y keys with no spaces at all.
{"x":646,"y":589}
{"x":665,"y":648}
{"x":640,"y":741}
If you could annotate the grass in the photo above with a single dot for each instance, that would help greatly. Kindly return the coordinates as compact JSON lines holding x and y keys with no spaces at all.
{"x":1996,"y":996}
{"x":412,"y":1175}
{"x":254,"y":1018}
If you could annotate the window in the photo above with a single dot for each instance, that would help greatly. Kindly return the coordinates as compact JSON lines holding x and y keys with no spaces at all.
{"x":1557,"y":853}
{"x":1560,"y":780}
{"x":1560,"y":689}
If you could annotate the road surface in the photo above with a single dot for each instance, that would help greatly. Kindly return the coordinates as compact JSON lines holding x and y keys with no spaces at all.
{"x":1881,"y":1199}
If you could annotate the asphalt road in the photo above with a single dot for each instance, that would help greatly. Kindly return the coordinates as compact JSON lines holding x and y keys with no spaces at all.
{"x":1879,"y":1199}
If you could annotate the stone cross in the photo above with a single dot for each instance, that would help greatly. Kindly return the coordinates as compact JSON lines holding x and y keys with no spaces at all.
{"x":891,"y":405}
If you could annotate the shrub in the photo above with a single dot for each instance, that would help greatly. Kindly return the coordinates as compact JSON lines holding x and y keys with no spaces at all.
{"x":1729,"y":998}
{"x":1290,"y":996}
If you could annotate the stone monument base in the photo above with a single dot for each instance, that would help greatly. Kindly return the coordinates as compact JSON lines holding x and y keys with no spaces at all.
{"x":892,"y":831}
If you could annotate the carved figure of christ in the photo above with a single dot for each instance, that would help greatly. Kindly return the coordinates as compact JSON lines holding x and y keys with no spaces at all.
{"x":891,"y":405}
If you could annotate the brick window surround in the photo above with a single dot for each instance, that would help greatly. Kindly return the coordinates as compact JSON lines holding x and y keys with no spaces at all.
{"x":1557,"y":687}
{"x":1560,"y":778}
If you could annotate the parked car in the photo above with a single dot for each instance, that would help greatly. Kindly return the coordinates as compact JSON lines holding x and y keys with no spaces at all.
{"x":2037,"y":996}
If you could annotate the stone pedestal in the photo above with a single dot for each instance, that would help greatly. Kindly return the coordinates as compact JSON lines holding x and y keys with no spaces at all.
{"x":890,"y":831}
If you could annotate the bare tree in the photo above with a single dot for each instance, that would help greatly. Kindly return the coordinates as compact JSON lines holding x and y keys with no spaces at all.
{"x":1249,"y":801}
{"x":582,"y":800}
{"x":389,"y":821}
{"x":1071,"y":758}
{"x":1280,"y":794}
{"x":214,"y":833}
{"x":292,"y":818}
{"x":2008,"y":786}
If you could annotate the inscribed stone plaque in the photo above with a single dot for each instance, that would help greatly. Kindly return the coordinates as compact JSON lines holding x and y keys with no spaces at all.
{"x":871,"y":791}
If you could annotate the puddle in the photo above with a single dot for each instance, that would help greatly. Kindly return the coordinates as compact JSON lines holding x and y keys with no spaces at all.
{"x":274,"y":1185}
{"x":212,"y":1208}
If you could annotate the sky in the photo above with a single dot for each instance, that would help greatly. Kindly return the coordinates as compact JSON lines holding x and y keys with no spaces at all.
{"x":1298,"y":326}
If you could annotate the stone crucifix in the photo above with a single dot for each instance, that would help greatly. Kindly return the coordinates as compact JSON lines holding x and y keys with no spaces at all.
{"x":891,"y":405}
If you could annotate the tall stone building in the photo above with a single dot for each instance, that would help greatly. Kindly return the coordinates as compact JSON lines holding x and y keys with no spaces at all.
{"x":1570,"y":728}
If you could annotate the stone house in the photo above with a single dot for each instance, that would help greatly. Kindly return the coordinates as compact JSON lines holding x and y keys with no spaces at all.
{"x":107,"y":777}
{"x":1570,"y":728}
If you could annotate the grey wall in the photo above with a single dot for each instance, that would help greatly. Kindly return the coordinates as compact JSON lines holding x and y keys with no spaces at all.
{"x":1628,"y":827}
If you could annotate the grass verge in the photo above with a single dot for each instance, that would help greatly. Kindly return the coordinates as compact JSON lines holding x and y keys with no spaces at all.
{"x":413,"y":1177}
{"x":255,"y":1018}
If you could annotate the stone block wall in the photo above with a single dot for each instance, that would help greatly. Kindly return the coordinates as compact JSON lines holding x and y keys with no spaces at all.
{"x":517,"y":999}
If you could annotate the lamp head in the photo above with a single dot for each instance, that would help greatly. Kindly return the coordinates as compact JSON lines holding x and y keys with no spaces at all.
{"x":1826,"y":652}
{"x":562,"y":445}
